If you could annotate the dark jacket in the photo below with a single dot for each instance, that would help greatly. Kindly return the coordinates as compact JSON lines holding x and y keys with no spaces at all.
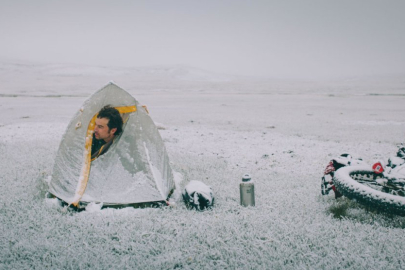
{"x":99,"y":147}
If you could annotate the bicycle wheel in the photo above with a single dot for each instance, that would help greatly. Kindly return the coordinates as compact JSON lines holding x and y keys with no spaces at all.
{"x":361,"y":183}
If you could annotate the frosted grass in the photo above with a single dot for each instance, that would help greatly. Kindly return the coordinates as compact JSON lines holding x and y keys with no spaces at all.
{"x":292,"y":226}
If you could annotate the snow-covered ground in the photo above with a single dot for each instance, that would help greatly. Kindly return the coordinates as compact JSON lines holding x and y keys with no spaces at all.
{"x":216,"y":128}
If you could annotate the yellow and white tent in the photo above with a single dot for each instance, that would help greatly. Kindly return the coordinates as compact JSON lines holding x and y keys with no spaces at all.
{"x":135,"y":169}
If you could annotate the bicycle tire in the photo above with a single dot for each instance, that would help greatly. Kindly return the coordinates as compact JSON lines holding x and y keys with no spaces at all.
{"x":345,"y":182}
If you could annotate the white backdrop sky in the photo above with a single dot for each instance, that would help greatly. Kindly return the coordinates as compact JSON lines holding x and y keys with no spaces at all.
{"x":307,"y":39}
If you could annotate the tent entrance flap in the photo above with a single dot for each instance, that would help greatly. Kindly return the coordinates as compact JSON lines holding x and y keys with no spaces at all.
{"x":84,"y":175}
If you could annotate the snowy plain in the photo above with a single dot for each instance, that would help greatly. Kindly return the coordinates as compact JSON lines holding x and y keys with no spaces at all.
{"x":216,"y":128}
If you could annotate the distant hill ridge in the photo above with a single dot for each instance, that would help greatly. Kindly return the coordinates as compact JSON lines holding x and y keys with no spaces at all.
{"x":178,"y":72}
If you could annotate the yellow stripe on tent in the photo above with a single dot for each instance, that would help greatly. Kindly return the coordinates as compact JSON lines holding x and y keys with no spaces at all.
{"x":126,"y":109}
{"x":84,"y":176}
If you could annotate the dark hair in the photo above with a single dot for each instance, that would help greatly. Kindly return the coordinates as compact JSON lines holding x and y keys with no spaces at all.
{"x":113,"y":116}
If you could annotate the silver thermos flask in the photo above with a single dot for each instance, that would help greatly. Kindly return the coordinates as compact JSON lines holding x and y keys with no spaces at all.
{"x":247,"y":191}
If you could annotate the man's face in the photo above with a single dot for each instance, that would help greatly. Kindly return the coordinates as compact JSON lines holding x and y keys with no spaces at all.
{"x":101,"y":130}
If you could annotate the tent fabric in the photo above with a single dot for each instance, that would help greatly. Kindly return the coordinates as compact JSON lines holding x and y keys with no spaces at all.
{"x":134,"y":170}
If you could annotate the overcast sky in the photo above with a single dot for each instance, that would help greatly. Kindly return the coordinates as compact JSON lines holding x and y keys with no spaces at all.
{"x":308,"y":39}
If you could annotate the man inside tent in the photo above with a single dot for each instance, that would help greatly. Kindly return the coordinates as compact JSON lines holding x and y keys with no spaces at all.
{"x":108,"y":126}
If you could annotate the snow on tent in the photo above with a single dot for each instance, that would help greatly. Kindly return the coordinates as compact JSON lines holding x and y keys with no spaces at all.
{"x":134,"y":171}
